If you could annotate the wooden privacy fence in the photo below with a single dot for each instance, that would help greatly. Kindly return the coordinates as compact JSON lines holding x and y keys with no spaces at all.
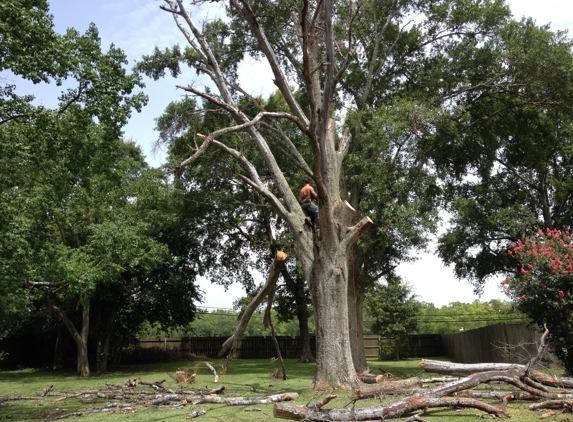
{"x":421,"y":345}
{"x":425,"y":345}
{"x":494,"y":343}
{"x":250,"y":347}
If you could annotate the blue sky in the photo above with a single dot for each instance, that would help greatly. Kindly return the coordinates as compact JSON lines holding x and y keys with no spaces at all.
{"x":137,"y":26}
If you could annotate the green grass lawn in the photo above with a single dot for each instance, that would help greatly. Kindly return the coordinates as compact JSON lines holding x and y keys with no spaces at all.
{"x":245,"y":378}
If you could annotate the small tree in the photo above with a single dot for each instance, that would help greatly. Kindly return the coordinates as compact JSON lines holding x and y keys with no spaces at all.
{"x":542,"y":287}
{"x":395,"y":310}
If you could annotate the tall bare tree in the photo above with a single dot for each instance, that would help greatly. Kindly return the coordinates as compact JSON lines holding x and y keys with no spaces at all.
{"x":325,"y":259}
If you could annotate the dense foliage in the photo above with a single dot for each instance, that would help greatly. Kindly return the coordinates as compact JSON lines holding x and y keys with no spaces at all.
{"x":505,"y":154}
{"x":86,"y":228}
{"x":542,"y":286}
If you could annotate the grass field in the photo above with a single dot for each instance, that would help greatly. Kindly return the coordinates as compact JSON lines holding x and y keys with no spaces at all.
{"x":245,"y":378}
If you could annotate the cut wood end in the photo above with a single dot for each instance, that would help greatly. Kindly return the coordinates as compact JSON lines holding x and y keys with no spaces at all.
{"x":281,"y":256}
{"x":422,"y":363}
{"x":347,"y":204}
{"x":201,"y":136}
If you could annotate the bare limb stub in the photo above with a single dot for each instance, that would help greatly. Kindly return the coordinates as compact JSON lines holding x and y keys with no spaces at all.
{"x":213,"y":370}
{"x":319,"y":404}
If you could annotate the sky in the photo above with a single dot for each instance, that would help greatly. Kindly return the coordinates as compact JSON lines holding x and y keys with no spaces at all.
{"x":137,"y":26}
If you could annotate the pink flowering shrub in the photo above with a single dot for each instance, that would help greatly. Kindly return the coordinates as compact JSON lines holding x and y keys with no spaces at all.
{"x":542,"y":287}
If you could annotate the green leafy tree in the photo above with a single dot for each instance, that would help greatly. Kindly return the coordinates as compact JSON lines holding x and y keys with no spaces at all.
{"x":542,"y":286}
{"x":394,"y":309}
{"x":390,"y":62}
{"x":506,"y":152}
{"x":67,"y":217}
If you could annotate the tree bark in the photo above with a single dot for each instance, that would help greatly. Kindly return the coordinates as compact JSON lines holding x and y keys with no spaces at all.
{"x":329,"y":287}
{"x":387,"y":411}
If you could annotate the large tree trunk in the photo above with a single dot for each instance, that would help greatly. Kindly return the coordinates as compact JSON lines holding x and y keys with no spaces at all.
{"x":329,"y":285}
{"x":81,"y":338}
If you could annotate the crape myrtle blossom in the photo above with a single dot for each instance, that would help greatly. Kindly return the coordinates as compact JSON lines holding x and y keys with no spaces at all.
{"x":542,"y":285}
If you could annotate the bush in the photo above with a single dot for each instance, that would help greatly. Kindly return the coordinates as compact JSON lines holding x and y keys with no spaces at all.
{"x":387,"y":348}
{"x":542,"y":287}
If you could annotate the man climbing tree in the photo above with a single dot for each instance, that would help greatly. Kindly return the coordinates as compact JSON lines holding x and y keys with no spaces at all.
{"x":307,"y":198}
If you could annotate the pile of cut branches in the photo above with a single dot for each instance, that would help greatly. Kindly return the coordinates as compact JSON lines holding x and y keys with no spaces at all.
{"x":525,"y":383}
{"x":136,"y":394}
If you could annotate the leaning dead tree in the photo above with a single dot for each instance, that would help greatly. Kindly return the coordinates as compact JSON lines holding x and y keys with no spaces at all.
{"x":231,"y":344}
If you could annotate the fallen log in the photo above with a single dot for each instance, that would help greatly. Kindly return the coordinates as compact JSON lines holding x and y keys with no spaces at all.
{"x":433,"y":397}
{"x":463,"y":369}
{"x":372,"y":379}
{"x":150,"y":383}
{"x":553,"y":404}
{"x":206,"y":390}
{"x":436,"y":380}
{"x":241,"y":401}
{"x":406,"y":386}
{"x":495,"y":395}
{"x":196,"y":414}
{"x":387,"y":411}
{"x":64,"y":416}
